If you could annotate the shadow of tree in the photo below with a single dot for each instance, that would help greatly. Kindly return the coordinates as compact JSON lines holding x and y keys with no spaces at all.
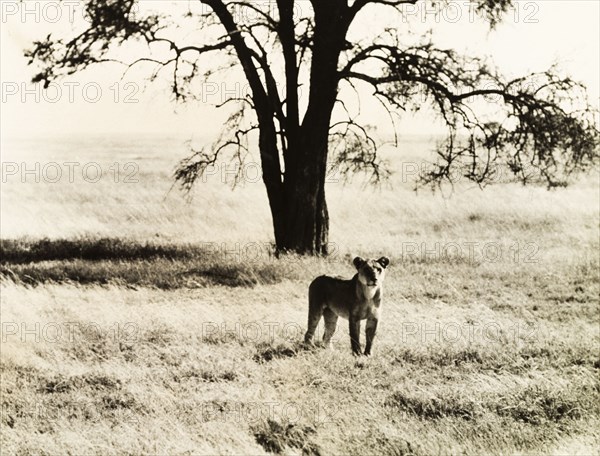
{"x":130,"y":263}
{"x":19,"y":251}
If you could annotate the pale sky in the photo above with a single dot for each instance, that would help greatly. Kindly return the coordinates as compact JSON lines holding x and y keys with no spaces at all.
{"x":533,"y":36}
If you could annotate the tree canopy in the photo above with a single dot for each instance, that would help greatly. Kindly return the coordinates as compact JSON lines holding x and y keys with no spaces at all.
{"x":542,"y":125}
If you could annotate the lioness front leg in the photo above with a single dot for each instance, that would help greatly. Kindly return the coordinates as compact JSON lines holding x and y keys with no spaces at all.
{"x":355,"y":335}
{"x":371,"y":329}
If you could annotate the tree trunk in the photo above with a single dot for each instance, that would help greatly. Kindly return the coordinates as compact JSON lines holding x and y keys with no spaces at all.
{"x":304,"y":212}
{"x":301,"y":220}
{"x":298,"y":206}
{"x":271,"y":174}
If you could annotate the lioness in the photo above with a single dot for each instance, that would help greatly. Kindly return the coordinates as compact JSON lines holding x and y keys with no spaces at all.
{"x":356,"y":299}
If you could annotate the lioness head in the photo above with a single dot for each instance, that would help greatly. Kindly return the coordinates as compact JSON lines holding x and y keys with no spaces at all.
{"x":371,"y":272}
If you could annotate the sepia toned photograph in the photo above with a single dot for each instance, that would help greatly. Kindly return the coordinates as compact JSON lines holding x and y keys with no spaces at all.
{"x":300,"y":227}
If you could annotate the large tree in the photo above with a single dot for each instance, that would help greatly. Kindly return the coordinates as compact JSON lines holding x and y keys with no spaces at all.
{"x":542,"y":125}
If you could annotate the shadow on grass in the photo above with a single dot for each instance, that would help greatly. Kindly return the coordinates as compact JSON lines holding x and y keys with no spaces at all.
{"x":268,"y":352}
{"x":275,"y":437}
{"x":533,"y":404}
{"x":433,"y":407}
{"x":18,"y":251}
{"x":120,"y":262}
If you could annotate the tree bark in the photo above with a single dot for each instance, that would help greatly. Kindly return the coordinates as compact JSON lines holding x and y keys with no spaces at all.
{"x":303,"y":215}
{"x":271,"y":174}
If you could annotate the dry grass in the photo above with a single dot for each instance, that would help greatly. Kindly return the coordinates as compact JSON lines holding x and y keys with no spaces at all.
{"x":129,"y":328}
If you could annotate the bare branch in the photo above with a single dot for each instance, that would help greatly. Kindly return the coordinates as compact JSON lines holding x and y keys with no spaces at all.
{"x":546,"y":120}
{"x":191,"y":168}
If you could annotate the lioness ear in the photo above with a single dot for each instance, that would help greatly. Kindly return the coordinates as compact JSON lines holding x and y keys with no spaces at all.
{"x":384,"y":261}
{"x":358,"y":262}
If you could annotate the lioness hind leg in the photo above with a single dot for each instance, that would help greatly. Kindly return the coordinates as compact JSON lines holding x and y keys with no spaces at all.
{"x":314,"y":316}
{"x":330,"y":325}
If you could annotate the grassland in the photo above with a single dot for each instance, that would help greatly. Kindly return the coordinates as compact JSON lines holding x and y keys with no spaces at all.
{"x":134,"y":322}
